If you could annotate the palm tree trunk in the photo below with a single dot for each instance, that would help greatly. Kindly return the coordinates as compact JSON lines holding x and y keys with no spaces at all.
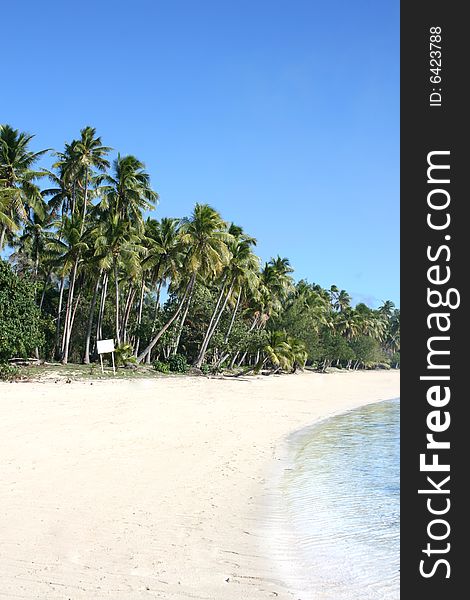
{"x":74,"y":195}
{"x":59,"y":316}
{"x":36,"y":350}
{"x":157,"y":298}
{"x":2,"y":236}
{"x":74,"y":312}
{"x":68,"y":314}
{"x":232,"y":362}
{"x":181,"y":325}
{"x":255,"y":321}
{"x":240,"y":362}
{"x":157,"y":306}
{"x":70,"y":327}
{"x":211,"y":331}
{"x":104,"y":291}
{"x":43,"y":294}
{"x":127,"y":311}
{"x":85,"y":202}
{"x":232,"y":321}
{"x":189,"y":289}
{"x":86,"y":357}
{"x":116,"y":287}
{"x":209,"y":327}
{"x":139,"y":315}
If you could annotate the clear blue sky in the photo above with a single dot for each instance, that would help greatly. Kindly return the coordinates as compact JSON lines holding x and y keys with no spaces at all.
{"x":283,"y":115}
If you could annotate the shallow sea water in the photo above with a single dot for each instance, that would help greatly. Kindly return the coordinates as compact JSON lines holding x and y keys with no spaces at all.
{"x":340,"y":500}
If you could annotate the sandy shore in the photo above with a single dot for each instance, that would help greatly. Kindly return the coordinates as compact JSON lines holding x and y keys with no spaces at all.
{"x":152,"y":488}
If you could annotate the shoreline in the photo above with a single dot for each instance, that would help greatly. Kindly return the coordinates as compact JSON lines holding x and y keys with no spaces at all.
{"x":157,"y":487}
{"x":282,"y":539}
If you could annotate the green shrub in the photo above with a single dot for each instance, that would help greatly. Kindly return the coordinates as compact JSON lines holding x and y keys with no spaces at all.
{"x":161,"y":367}
{"x":9,"y":372}
{"x":178,"y":363}
{"x":124,"y":355}
{"x":206,"y":369}
{"x":395,"y":360}
{"x":20,"y":322}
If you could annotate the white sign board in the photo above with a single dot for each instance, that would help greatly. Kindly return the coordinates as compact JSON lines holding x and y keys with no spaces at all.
{"x":105,"y":346}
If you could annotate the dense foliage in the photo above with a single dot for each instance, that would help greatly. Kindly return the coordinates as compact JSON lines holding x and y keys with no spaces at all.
{"x":20,"y":322}
{"x":173,"y":292}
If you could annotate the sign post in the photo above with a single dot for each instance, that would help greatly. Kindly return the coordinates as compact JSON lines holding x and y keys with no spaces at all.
{"x":103,"y":347}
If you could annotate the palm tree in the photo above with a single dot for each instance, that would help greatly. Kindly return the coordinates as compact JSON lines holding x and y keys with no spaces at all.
{"x":128,"y":190}
{"x":78,"y":165}
{"x":163,"y":261}
{"x":239,"y":269}
{"x":285,"y":353}
{"x":18,"y":192}
{"x":204,"y":237}
{"x":342,"y":301}
{"x":99,"y":263}
{"x":118,"y":241}
{"x":347,"y":323}
{"x":77,"y":243}
{"x":126,"y":194}
{"x":82,"y":158}
{"x":387,"y":308}
{"x":31,"y":245}
{"x":275,"y":285}
{"x":392,"y":335}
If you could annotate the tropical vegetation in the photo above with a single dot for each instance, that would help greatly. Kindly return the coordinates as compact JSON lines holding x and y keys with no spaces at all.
{"x":84,"y":259}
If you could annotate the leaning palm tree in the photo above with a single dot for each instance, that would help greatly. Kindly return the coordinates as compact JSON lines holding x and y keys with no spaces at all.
{"x":204,"y":236}
{"x":164,"y":256}
{"x":275,"y":285}
{"x":117,"y":237}
{"x":126,"y":194}
{"x":241,"y":265}
{"x":18,"y":192}
{"x":162,"y":263}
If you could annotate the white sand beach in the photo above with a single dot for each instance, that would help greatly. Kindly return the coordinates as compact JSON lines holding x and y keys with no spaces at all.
{"x":152,"y":488}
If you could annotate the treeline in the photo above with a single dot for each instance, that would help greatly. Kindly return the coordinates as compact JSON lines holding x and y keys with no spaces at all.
{"x":85,"y":264}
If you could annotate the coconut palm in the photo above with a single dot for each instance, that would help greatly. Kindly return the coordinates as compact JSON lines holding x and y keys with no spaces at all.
{"x":242,"y":264}
{"x":31,"y":245}
{"x":347,"y":323}
{"x":18,"y":191}
{"x":164,"y":255}
{"x":83,"y":158}
{"x":78,"y":166}
{"x":162,"y":262}
{"x":342,"y":301}
{"x":120,"y":242}
{"x":126,"y":194}
{"x":91,"y":237}
{"x":204,"y":237}
{"x":74,"y":243}
{"x":387,"y":309}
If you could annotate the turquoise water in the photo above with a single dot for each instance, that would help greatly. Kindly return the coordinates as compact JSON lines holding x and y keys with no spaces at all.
{"x":342,"y":495}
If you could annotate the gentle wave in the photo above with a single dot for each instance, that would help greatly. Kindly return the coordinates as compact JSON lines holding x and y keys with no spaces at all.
{"x":339,"y":497}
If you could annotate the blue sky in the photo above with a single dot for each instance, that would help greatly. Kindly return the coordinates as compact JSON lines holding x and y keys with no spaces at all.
{"x":283,"y":115}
